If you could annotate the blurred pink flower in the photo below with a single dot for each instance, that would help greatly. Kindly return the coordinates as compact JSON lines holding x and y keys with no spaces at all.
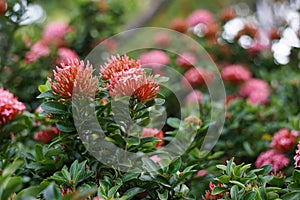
{"x":276,"y":159}
{"x":256,"y":90}
{"x":153,"y":132}
{"x":73,"y":73}
{"x":155,"y":158}
{"x":38,"y":50}
{"x":162,"y":39}
{"x":39,"y":109}
{"x":65,"y":54}
{"x":258,"y":97}
{"x":235,"y":73}
{"x":117,"y":64}
{"x":133,"y":83}
{"x":9,"y":106}
{"x":155,"y":59}
{"x":200,"y":17}
{"x":56,"y":31}
{"x":186,"y":59}
{"x":197,"y":76}
{"x":193,"y":97}
{"x":201,"y":173}
{"x":297,"y":156}
{"x":46,"y":135}
{"x":284,"y":139}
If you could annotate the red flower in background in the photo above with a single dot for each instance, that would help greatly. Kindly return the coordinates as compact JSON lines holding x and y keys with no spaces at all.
{"x":46,"y":135}
{"x":197,"y":76}
{"x":153,"y":132}
{"x":276,"y":159}
{"x":256,"y":90}
{"x":133,"y":83}
{"x":65,"y":54}
{"x":227,"y":14}
{"x":186,"y":59}
{"x":55,"y":32}
{"x":162,"y":39}
{"x":117,"y":64}
{"x":3,"y":7}
{"x":235,"y":73}
{"x":73,"y":75}
{"x":154,"y":59}
{"x":193,"y":97}
{"x":38,"y":50}
{"x":9,"y":106}
{"x":200,"y":17}
{"x":179,"y":24}
{"x":284,"y":139}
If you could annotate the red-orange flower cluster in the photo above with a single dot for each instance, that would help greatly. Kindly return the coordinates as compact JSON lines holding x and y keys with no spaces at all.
{"x":197,"y":76}
{"x":75,"y":77}
{"x":126,"y":77}
{"x":117,"y":64}
{"x":235,"y":73}
{"x":284,"y":139}
{"x":46,"y":135}
{"x":9,"y":106}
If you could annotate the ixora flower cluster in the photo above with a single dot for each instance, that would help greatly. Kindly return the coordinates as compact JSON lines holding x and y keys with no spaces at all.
{"x":9,"y":106}
{"x":125,"y":76}
{"x":53,"y":35}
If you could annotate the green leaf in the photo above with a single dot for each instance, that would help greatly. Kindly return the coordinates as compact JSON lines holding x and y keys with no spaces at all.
{"x":10,"y":186}
{"x":175,"y":166}
{"x":43,"y":88}
{"x":132,"y":192}
{"x":222,"y":167}
{"x":130,"y":176}
{"x":32,"y":191}
{"x":294,"y":187}
{"x":150,"y":165}
{"x":133,"y":140}
{"x":229,"y":167}
{"x":174,"y":122}
{"x":223,"y":179}
{"x":162,"y":79}
{"x":291,"y":196}
{"x":52,"y":192}
{"x":8,"y":171}
{"x":39,"y":152}
{"x":46,"y":94}
{"x":65,"y":128}
{"x":218,"y":190}
{"x":112,"y":191}
{"x":250,"y":196}
{"x":234,"y":192}
{"x":54,"y":107}
{"x":237,"y":183}
{"x":265,"y":170}
{"x":163,"y":196}
{"x":159,"y":101}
